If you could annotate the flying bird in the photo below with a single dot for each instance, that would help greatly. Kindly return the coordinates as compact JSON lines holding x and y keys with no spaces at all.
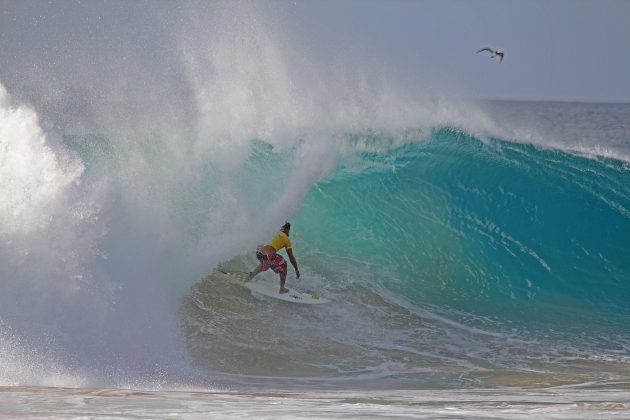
{"x":493,"y":52}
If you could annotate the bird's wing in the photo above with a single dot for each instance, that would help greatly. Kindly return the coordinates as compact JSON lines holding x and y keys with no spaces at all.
{"x":484,"y":49}
{"x":501,"y":54}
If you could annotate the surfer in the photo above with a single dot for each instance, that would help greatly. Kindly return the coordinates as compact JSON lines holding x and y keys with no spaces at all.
{"x":269,"y":257}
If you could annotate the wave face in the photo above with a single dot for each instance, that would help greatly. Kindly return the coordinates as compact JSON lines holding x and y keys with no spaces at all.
{"x":493,"y":228}
{"x":450,"y":260}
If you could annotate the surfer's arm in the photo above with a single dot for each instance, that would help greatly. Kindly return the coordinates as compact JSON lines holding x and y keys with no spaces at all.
{"x":293,"y":262}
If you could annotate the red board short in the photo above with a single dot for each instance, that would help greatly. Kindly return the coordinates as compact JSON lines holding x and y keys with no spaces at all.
{"x":273,"y":261}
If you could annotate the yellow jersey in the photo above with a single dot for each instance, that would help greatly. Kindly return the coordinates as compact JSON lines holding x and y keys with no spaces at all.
{"x":280,"y":241}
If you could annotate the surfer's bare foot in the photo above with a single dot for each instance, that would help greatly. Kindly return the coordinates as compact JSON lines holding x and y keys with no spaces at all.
{"x":284,"y":290}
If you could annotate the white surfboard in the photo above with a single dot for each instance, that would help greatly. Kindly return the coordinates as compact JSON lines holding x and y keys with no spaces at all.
{"x":272,"y":290}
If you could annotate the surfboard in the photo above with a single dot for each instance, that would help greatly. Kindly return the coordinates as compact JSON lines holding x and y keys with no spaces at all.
{"x":271,"y":290}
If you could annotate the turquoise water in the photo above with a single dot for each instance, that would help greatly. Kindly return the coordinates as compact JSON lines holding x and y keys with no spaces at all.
{"x":452,"y":260}
{"x":509,"y":231}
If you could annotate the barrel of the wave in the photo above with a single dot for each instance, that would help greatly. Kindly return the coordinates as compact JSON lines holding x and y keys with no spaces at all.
{"x":493,"y":228}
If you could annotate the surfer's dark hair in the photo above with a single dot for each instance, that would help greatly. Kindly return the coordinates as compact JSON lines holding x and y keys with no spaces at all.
{"x":286,"y":226}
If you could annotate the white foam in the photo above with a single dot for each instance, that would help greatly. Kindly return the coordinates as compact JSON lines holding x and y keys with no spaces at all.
{"x":32,"y":175}
{"x":21,"y":364}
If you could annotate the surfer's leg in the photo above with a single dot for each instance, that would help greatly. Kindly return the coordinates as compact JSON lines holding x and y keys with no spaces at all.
{"x":281,"y":269}
{"x":283,"y":278}
{"x":279,"y":266}
{"x":257,"y":270}
{"x":264,"y":264}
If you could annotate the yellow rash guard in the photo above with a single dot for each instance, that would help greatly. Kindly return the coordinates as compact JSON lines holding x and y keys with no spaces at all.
{"x":280,"y":241}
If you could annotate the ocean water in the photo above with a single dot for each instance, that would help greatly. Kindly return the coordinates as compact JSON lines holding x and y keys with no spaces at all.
{"x":476,"y":253}
{"x":474,"y":271}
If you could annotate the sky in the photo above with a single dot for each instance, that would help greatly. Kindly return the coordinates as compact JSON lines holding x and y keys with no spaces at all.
{"x":567,"y":50}
{"x":555,"y":50}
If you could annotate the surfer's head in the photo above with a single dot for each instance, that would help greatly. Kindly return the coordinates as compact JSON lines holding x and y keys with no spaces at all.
{"x":286,"y":227}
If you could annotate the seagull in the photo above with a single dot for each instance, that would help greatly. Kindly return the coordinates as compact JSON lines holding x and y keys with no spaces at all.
{"x":493,"y":52}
